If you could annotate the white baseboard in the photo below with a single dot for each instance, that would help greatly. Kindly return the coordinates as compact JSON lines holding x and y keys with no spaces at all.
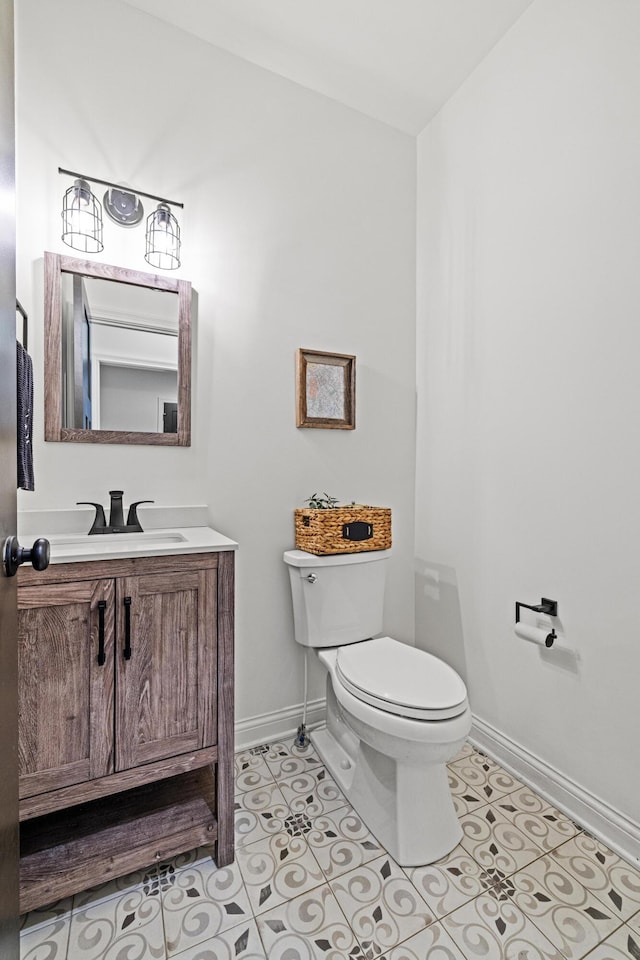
{"x":607,"y":824}
{"x":277,"y":725}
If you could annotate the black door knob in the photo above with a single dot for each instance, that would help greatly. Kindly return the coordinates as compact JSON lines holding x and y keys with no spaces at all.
{"x":13,"y":555}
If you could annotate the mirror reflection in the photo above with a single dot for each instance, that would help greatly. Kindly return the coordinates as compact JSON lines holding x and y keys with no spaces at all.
{"x":120,"y":356}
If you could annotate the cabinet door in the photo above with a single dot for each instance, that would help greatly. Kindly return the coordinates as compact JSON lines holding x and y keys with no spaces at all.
{"x":66,"y":672}
{"x":166,"y":665}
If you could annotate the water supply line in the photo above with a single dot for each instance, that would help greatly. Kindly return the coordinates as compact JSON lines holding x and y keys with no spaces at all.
{"x":302,"y":739}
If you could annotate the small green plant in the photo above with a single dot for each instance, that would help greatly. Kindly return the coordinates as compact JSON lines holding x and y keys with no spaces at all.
{"x":324,"y":502}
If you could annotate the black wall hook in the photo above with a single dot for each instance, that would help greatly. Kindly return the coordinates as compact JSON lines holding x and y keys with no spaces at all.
{"x":25,"y":324}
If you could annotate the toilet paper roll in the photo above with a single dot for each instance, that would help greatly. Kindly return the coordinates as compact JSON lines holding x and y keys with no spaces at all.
{"x":544,"y":638}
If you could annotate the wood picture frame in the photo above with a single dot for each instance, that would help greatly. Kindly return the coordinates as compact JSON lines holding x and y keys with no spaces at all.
{"x":325,"y":390}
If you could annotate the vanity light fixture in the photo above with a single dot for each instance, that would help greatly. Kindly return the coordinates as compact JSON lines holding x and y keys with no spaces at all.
{"x":124,"y":207}
{"x":163,"y":239}
{"x":82,"y":219}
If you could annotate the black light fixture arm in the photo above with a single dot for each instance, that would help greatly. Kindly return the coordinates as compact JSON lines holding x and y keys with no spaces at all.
{"x":119,"y":186}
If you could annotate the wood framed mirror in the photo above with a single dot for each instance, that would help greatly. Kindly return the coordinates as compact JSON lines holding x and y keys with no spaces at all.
{"x":117,"y":363}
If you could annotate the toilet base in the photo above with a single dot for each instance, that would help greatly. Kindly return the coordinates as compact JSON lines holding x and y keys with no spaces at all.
{"x":407,"y":806}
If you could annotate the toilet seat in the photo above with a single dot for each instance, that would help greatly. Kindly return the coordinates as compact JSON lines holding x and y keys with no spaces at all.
{"x":400,"y":679}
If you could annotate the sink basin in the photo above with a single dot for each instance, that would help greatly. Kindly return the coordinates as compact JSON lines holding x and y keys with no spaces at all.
{"x":118,"y":540}
{"x":66,"y":546}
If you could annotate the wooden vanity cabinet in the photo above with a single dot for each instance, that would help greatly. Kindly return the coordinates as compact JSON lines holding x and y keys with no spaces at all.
{"x":165,"y":687}
{"x":125,"y":717}
{"x":66,"y":698}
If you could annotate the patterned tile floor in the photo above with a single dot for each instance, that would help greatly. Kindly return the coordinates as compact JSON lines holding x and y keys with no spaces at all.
{"x":311,"y":883}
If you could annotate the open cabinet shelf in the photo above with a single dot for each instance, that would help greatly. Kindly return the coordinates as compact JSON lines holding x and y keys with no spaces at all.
{"x":69,"y":851}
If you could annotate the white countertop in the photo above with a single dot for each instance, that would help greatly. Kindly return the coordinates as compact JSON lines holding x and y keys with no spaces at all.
{"x":167,"y":530}
{"x":73,"y":548}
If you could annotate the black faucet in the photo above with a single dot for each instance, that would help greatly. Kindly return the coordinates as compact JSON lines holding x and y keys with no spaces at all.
{"x":116,"y":515}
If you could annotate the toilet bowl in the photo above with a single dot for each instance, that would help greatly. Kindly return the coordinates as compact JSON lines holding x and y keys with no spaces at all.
{"x":396,"y":715}
{"x":392,"y":767}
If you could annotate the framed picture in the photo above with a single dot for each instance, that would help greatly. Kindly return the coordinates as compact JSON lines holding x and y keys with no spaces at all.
{"x":326,"y":390}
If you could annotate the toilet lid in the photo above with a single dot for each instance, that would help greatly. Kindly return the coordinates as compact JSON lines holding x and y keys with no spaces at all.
{"x":401,"y":679}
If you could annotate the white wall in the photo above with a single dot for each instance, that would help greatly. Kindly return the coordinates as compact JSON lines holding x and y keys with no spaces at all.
{"x":528,"y":343}
{"x":298,"y":230}
{"x":133,"y":372}
{"x":133,"y":398}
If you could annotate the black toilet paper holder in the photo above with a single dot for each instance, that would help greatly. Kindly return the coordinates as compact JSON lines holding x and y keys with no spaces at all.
{"x":548,"y":607}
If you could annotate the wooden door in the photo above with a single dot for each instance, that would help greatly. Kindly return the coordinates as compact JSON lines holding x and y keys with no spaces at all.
{"x":166,"y":670}
{"x":66,"y":684}
{"x":8,"y":659}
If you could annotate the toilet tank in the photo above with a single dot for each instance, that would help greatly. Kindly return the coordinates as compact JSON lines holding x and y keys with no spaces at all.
{"x":336,"y":599}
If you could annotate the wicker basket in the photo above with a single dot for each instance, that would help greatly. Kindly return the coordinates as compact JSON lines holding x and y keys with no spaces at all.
{"x":353,"y":529}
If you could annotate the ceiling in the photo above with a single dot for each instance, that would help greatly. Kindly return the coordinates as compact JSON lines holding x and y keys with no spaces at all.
{"x":395,"y":60}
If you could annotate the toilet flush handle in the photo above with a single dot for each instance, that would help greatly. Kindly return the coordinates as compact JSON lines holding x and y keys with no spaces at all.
{"x":311,"y":577}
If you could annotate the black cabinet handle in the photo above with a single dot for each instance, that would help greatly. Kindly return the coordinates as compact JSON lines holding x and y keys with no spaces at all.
{"x":127,"y":628}
{"x":102,"y":606}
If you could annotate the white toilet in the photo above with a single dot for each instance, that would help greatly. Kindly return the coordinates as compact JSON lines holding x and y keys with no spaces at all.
{"x":395,"y":714}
